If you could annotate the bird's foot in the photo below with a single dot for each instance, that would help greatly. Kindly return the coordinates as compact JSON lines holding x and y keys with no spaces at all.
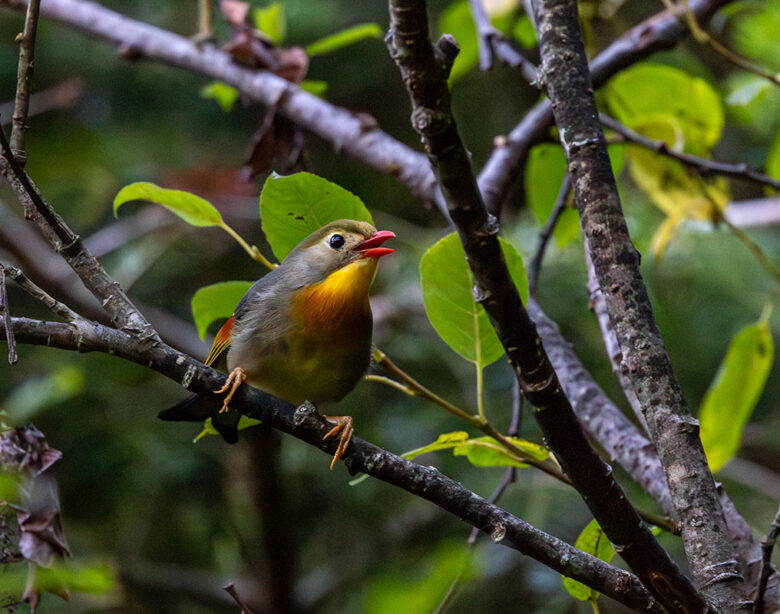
{"x":343,"y":426}
{"x":233,"y":383}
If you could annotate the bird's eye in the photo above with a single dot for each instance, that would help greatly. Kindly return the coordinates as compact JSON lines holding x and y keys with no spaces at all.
{"x":336,"y":241}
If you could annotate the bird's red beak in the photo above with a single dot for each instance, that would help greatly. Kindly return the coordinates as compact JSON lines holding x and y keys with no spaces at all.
{"x":370,"y":247}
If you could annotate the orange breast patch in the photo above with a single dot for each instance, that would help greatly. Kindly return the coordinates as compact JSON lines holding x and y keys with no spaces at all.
{"x":340,"y":301}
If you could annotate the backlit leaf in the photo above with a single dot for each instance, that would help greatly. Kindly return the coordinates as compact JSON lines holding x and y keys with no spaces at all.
{"x":346,"y":37}
{"x":773,"y":162}
{"x":215,"y":302}
{"x":223,"y":94}
{"x":192,"y":209}
{"x":456,"y":20}
{"x":294,"y":206}
{"x":270,"y":21}
{"x":482,"y":451}
{"x":593,"y":541}
{"x":648,"y":90}
{"x":733,"y":395}
{"x":448,"y":296}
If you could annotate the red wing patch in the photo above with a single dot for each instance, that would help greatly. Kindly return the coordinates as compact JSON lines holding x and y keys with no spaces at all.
{"x":221,"y":341}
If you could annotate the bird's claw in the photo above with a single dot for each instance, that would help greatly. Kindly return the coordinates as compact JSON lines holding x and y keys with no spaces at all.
{"x":235,"y":379}
{"x":343,"y":426}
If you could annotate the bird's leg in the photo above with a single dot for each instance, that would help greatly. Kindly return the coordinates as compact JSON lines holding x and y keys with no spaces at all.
{"x":233,"y":383}
{"x":343,"y":426}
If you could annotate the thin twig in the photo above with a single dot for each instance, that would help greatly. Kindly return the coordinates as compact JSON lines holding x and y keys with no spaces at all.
{"x":61,"y":309}
{"x":230,"y":589}
{"x":702,"y":36}
{"x":23,"y":78}
{"x":70,"y":246}
{"x":5,"y":312}
{"x":491,"y":42}
{"x":544,"y":236}
{"x":767,"y":545}
{"x":702,"y":165}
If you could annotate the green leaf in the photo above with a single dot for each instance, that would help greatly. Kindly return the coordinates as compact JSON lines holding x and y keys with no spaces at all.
{"x":649,"y":91}
{"x":524,"y":33}
{"x":487,"y":452}
{"x":773,"y":161}
{"x":93,"y":579}
{"x":456,"y":20}
{"x":482,"y":451}
{"x":591,"y":541}
{"x":37,"y":393}
{"x":192,"y":209}
{"x":317,"y":88}
{"x":217,"y":301}
{"x":244,"y":422}
{"x":271,"y":22}
{"x":294,"y":206}
{"x":224,"y":94}
{"x":447,"y":287}
{"x":733,"y":395}
{"x":750,"y":90}
{"x":346,"y":37}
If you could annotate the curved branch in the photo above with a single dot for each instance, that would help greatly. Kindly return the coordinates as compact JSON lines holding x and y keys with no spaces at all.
{"x":355,"y":134}
{"x":305,"y":424}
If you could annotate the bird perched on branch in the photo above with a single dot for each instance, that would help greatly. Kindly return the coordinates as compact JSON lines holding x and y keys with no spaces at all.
{"x":303,"y":331}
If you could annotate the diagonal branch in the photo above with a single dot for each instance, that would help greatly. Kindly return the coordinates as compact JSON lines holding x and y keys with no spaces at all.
{"x":616,"y":264}
{"x":702,"y":165}
{"x":424,"y":68}
{"x":70,"y":246}
{"x":662,"y":31}
{"x":355,"y":134}
{"x":305,"y":424}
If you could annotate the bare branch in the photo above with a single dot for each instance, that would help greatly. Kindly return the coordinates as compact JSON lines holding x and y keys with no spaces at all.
{"x":37,"y":293}
{"x":662,"y":31}
{"x":544,"y":236}
{"x":702,"y":165}
{"x":616,"y":263}
{"x":23,"y":78}
{"x":767,"y":545}
{"x":305,"y":424}
{"x":70,"y":246}
{"x":5,"y":313}
{"x":355,"y":134}
{"x":425,"y":68}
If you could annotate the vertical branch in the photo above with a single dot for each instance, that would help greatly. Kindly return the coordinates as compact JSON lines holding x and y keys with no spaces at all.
{"x":767,"y":545}
{"x":424,"y":68}
{"x":23,"y":78}
{"x":616,"y":263}
{"x":5,"y":313}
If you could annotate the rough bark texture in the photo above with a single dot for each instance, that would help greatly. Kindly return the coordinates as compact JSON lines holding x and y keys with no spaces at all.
{"x":305,"y":424}
{"x":662,"y":31}
{"x":424,"y":68}
{"x":616,"y":263}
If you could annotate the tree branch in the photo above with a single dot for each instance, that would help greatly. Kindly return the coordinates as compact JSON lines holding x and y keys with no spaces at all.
{"x":305,"y":424}
{"x":702,"y":165}
{"x":355,"y":134}
{"x":425,"y":68}
{"x":23,"y":77}
{"x":616,"y":263}
{"x":70,"y":246}
{"x":662,"y":31}
{"x":5,"y":313}
{"x":767,"y":545}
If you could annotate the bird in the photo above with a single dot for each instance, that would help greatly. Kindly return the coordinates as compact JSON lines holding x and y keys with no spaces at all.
{"x":302,"y":332}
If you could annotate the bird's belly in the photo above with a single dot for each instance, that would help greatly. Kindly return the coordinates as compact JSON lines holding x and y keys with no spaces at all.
{"x":306,"y":366}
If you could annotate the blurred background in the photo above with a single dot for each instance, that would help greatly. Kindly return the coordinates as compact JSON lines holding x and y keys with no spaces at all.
{"x":163,"y":522}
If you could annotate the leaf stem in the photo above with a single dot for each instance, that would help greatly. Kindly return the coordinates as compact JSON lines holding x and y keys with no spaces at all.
{"x":480,"y":392}
{"x":253,"y":252}
{"x":408,"y":385}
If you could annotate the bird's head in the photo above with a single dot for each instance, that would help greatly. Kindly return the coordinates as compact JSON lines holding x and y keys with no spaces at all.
{"x":336,"y":246}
